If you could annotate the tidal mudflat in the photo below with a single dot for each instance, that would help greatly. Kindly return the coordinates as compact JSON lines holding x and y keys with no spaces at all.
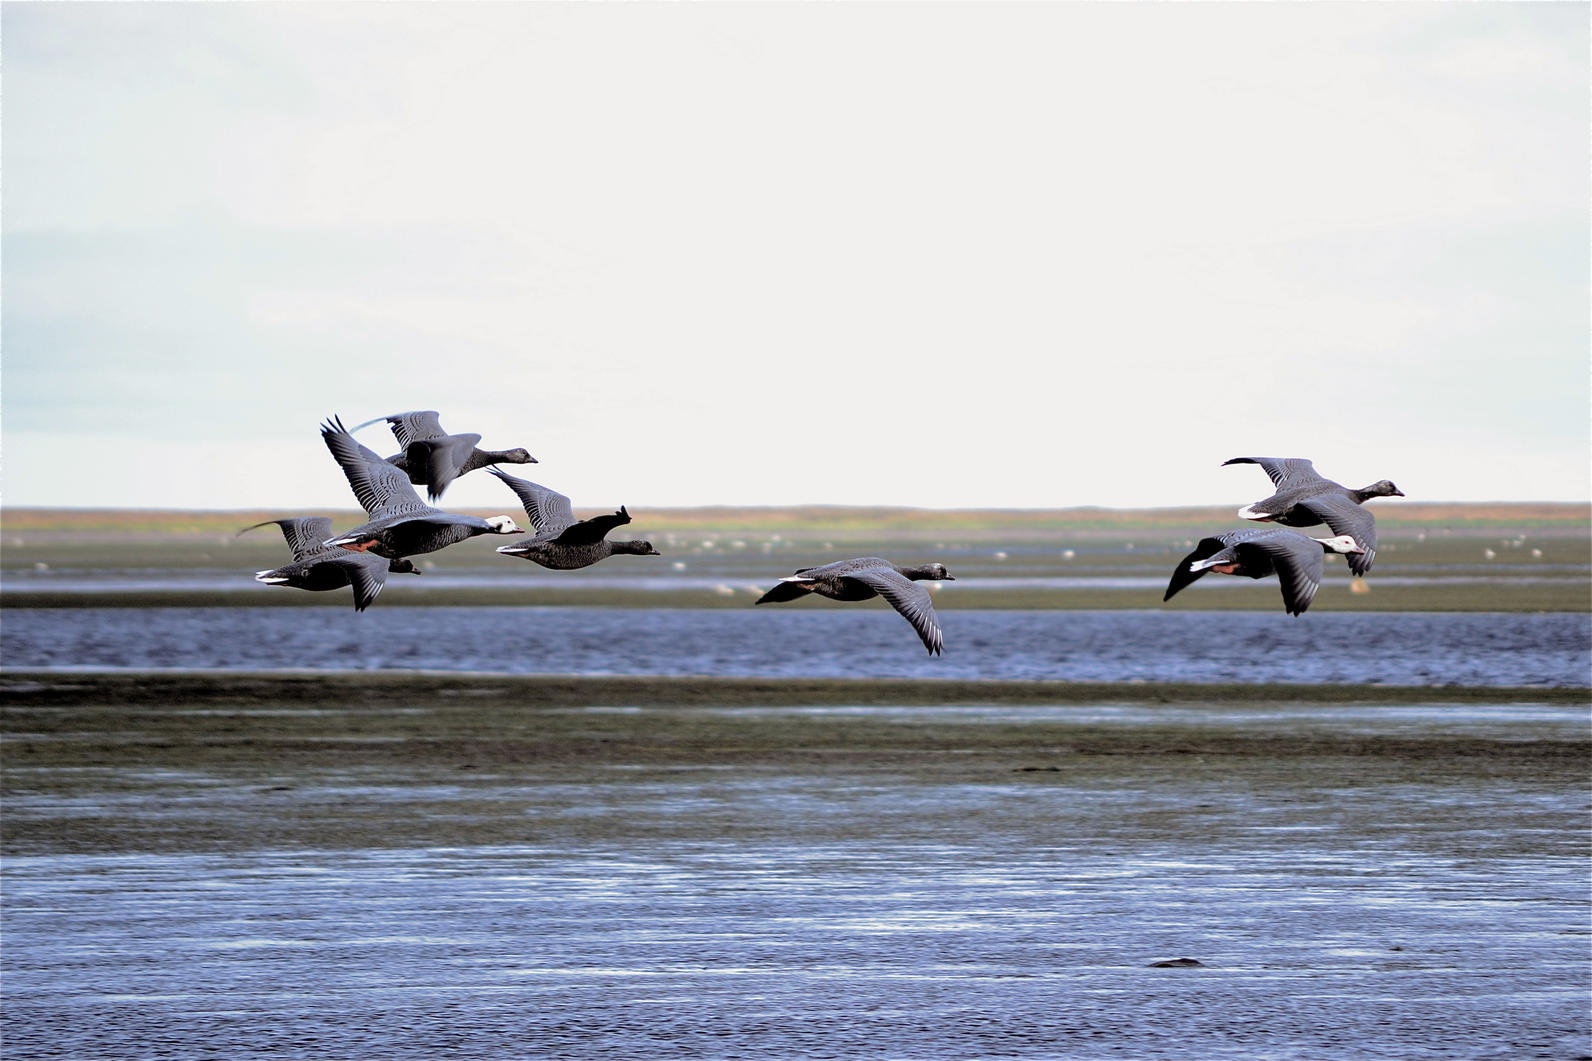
{"x":399,"y":865}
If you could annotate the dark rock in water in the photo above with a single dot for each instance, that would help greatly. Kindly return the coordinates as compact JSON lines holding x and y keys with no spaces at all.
{"x":1177,"y":963}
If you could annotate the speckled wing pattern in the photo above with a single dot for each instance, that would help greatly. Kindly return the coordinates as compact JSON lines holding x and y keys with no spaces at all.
{"x":413,"y":426}
{"x":1297,"y":561}
{"x":305,"y":535}
{"x":843,"y":568}
{"x":381,"y":489}
{"x":367,"y":573}
{"x":1344,"y":516}
{"x":906,"y":597}
{"x":549,"y":511}
{"x":1285,"y":472}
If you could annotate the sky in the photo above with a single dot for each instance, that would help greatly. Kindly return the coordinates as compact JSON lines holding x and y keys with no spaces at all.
{"x":945,"y":255}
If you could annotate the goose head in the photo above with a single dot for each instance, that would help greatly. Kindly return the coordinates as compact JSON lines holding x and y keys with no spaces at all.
{"x":402,"y":567}
{"x":636,"y":548}
{"x":1382,"y":488}
{"x":518,"y":455}
{"x":502,"y":525}
{"x":1341,"y":543}
{"x":932,"y":573}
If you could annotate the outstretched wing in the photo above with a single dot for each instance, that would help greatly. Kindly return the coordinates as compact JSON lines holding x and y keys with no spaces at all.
{"x":304,"y":534}
{"x":381,"y":489}
{"x":1182,"y":577}
{"x":548,"y":510}
{"x":837,"y":568}
{"x":367,"y":573}
{"x":1284,"y":471}
{"x":908,"y":598}
{"x":1297,"y":561}
{"x":1344,"y":516}
{"x":412,"y":427}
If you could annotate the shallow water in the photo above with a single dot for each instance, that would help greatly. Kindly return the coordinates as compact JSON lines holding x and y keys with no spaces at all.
{"x":1398,"y":648}
{"x":735,"y":912}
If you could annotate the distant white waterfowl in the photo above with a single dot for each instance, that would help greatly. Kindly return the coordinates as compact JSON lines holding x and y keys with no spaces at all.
{"x":433,"y":458}
{"x":870,"y":576}
{"x":561,"y":541}
{"x":318,"y":567}
{"x":400,"y":524}
{"x":1295,"y":559}
{"x":1304,"y":498}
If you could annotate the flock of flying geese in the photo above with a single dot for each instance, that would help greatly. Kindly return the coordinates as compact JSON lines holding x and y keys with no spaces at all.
{"x":401,"y":525}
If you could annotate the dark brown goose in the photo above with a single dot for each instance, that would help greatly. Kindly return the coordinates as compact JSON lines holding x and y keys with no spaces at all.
{"x":871,"y":576}
{"x":1306,"y":499}
{"x":561,"y":541}
{"x":318,"y":567}
{"x":433,"y":458}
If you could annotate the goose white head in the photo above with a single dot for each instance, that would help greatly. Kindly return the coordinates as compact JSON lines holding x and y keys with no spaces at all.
{"x":1342,"y":543}
{"x":502,"y":525}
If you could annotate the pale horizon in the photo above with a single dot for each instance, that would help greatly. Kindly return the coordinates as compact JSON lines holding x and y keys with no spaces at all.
{"x":934,"y":256}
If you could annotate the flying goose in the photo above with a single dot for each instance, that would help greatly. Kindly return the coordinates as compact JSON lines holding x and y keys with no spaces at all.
{"x":1304,"y":499}
{"x":433,"y":458}
{"x":1254,"y":552}
{"x":561,"y":541}
{"x":317,"y":566}
{"x":400,"y":523}
{"x":871,"y":576}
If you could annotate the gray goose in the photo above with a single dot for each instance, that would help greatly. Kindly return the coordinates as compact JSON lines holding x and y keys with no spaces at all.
{"x":1304,"y":498}
{"x":400,"y":523}
{"x":433,"y":458}
{"x":561,"y":541}
{"x":1255,"y":552}
{"x":318,"y":567}
{"x":870,"y":576}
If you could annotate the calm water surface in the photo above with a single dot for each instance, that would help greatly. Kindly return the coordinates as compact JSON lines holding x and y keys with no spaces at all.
{"x":754,"y":913}
{"x":1399,"y":648}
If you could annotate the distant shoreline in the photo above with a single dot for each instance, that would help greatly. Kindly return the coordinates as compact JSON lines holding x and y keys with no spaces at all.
{"x":1504,"y":557}
{"x":1568,"y":515}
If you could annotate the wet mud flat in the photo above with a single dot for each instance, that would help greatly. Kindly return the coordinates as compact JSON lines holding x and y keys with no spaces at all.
{"x":394,"y":865}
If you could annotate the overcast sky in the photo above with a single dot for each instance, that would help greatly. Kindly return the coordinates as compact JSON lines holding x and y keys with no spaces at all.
{"x":946,"y":255}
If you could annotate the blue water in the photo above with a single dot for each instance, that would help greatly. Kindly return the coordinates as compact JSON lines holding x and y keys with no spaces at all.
{"x":1354,"y":911}
{"x":1340,"y":909}
{"x":1397,"y":648}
